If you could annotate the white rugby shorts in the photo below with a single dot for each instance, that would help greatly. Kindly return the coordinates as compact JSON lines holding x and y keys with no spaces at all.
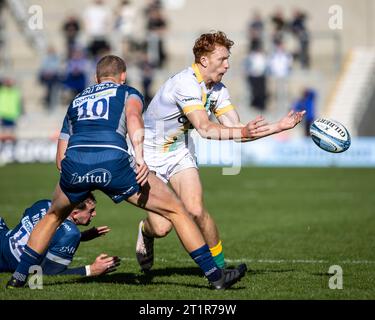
{"x":165,"y":165}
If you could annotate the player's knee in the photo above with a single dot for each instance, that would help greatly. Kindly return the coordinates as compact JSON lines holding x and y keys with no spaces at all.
{"x":162,"y":230}
{"x":198,"y":213}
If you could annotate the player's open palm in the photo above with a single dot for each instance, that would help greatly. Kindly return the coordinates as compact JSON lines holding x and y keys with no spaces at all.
{"x":104,"y":264}
{"x":256,"y":128}
{"x":291,"y":120}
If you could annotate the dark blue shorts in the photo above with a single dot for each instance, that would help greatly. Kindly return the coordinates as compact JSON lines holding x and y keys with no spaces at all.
{"x":6,"y":257}
{"x":4,"y":267}
{"x":109,"y":170}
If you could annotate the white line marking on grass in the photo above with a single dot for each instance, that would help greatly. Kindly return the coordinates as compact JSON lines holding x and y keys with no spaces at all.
{"x":270,"y":261}
{"x":302,"y":261}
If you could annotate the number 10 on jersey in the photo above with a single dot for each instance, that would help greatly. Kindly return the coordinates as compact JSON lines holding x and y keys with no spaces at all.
{"x":93,"y":108}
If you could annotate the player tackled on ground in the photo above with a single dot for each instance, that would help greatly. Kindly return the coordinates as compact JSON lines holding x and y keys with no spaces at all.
{"x":97,"y":157}
{"x":64,"y":243}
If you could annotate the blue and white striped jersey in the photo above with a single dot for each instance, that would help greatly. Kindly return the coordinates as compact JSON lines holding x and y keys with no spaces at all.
{"x":96,"y":117}
{"x":61,"y":248}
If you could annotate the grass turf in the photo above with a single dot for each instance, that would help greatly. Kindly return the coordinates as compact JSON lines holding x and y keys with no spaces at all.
{"x":289,"y":224}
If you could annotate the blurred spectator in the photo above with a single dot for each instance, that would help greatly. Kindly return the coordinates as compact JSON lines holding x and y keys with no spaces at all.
{"x":97,"y":20}
{"x":256,"y":31}
{"x":76,"y":73}
{"x":256,"y":68}
{"x":151,"y":4}
{"x":156,"y":26}
{"x":49,"y":76}
{"x":71,"y":28}
{"x":280,"y":62}
{"x":299,"y":30}
{"x":10,"y":108}
{"x":2,"y":36}
{"x":306,"y":101}
{"x":2,"y":5}
{"x":147,"y":72}
{"x":280,"y":65}
{"x":125,"y":25}
{"x":279,"y":26}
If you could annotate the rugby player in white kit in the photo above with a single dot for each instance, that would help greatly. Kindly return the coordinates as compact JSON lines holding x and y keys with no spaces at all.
{"x":185,"y":102}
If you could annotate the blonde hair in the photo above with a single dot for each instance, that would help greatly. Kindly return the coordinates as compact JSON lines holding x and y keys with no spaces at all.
{"x":110,"y":66}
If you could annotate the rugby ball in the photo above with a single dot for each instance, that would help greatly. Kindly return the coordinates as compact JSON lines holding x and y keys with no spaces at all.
{"x":330,"y":135}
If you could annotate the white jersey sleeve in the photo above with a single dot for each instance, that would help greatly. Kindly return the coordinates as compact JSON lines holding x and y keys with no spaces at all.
{"x":188,"y":95}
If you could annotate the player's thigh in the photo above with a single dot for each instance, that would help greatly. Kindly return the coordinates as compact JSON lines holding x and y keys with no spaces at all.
{"x":156,"y":197}
{"x":160,"y":225}
{"x":188,"y":187}
{"x":61,"y":205}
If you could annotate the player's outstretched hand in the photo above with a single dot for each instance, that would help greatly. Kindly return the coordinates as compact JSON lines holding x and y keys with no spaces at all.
{"x":142,"y":172}
{"x":291,"y":120}
{"x":94,"y":232}
{"x":104,"y":264}
{"x":102,"y":231}
{"x":256,"y":128}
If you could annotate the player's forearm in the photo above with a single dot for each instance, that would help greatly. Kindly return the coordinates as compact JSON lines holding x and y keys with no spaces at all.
{"x":270,"y":129}
{"x":58,"y":162}
{"x":53,"y":268}
{"x":60,"y":153}
{"x":234,"y":122}
{"x":82,"y":271}
{"x":89,"y":234}
{"x":135,"y":128}
{"x":219,"y":132}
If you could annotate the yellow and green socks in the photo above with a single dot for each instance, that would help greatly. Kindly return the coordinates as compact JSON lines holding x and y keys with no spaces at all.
{"x":217,"y":254}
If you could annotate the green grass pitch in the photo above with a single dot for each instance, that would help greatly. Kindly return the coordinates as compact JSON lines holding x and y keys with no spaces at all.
{"x":288,"y":224}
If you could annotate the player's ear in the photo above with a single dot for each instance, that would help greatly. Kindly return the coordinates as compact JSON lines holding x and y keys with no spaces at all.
{"x":204,"y":61}
{"x":123,"y":77}
{"x":96,"y":79}
{"x":73,"y":214}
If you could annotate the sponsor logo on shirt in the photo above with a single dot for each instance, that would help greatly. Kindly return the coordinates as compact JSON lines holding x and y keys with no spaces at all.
{"x":189,"y":99}
{"x":98,"y":176}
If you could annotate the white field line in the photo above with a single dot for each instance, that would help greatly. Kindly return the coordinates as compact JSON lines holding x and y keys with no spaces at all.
{"x":269,"y":261}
